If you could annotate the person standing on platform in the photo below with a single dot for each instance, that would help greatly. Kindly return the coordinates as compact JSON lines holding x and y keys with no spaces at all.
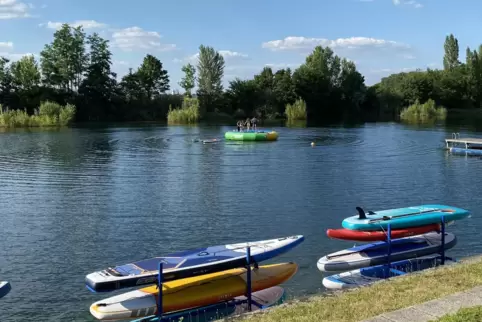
{"x":254,"y":122}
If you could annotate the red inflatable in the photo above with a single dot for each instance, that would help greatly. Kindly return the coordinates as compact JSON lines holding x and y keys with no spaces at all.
{"x":358,"y":235}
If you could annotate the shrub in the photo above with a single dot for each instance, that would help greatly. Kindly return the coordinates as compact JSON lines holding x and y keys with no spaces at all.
{"x":187,"y":114}
{"x":427,"y":111}
{"x":296,"y":111}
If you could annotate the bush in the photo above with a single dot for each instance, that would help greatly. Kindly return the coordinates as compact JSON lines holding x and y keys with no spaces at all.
{"x":49,"y":114}
{"x":424,"y":112}
{"x":187,"y":114}
{"x":296,"y":111}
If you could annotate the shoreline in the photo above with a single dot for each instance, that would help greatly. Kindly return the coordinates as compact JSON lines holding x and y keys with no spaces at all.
{"x":378,"y":298}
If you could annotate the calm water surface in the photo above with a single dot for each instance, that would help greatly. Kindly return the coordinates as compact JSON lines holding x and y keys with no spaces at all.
{"x":78,"y":200}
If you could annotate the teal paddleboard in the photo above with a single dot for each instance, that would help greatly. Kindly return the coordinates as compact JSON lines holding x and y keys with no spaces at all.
{"x":403,"y":217}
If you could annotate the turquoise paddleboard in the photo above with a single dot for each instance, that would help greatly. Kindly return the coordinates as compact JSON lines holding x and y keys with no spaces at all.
{"x":403,"y":217}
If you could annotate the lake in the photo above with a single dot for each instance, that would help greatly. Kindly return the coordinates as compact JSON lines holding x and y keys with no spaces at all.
{"x":78,"y":200}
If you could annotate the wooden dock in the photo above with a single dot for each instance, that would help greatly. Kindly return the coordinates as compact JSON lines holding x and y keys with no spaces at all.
{"x":456,"y":139}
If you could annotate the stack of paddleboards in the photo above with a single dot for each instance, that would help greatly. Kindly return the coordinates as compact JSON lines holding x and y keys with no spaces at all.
{"x":205,"y":280}
{"x":416,"y":241}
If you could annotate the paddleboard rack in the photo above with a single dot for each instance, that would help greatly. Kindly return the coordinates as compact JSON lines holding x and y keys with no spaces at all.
{"x":160,"y":314}
{"x":389,"y":246}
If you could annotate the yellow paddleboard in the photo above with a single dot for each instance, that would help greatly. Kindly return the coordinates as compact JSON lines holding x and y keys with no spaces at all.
{"x":191,"y":292}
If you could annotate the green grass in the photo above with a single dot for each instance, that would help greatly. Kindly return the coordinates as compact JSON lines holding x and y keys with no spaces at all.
{"x":296,"y":111}
{"x":426,"y":112}
{"x":187,"y":114}
{"x":471,"y":314}
{"x":367,"y":302}
{"x":49,"y":114}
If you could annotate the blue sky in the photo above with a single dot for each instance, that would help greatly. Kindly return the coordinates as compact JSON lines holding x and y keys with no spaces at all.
{"x":381,"y":36}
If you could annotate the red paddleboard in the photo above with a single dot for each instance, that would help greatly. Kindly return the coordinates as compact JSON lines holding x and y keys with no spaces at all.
{"x":358,"y":235}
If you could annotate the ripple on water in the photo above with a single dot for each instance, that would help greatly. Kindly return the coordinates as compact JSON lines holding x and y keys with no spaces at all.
{"x":80,"y":200}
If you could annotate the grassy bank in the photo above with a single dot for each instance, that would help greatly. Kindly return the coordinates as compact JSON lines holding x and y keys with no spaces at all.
{"x":386,"y":296}
{"x":49,"y":114}
{"x":471,"y":314}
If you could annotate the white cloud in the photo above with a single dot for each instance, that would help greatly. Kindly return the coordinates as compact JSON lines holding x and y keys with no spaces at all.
{"x":86,"y":24}
{"x":277,"y":66}
{"x":6,"y":45}
{"x":228,"y":56}
{"x":121,"y":63}
{"x":412,"y":3}
{"x":304,"y":43}
{"x":11,"y":9}
{"x":408,"y":56}
{"x":16,"y":56}
{"x":134,"y":38}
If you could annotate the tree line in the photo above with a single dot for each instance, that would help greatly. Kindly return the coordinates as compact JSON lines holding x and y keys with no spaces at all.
{"x":76,"y":68}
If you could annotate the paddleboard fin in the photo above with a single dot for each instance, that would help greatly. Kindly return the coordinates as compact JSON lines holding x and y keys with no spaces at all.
{"x":361,"y":213}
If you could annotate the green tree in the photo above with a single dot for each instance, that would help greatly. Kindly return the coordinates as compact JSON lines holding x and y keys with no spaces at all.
{"x":283,"y":89}
{"x":25,"y":73}
{"x":352,"y":87}
{"x":451,"y":56}
{"x":317,"y":81}
{"x":7,"y":86}
{"x":64,"y":61}
{"x":243,"y":97}
{"x":265,"y":83}
{"x":98,"y":86}
{"x":26,"y":79}
{"x":210,"y":75}
{"x":131,"y":87}
{"x":153,"y":79}
{"x":189,"y":80}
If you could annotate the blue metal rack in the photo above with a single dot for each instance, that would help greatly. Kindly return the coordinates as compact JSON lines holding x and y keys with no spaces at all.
{"x":249,"y":300}
{"x":389,"y":247}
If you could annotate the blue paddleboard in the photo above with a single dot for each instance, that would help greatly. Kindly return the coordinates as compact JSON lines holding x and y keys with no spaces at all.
{"x":403,"y":217}
{"x":377,"y":253}
{"x":5,"y":287}
{"x":188,"y":263}
{"x":369,"y":275}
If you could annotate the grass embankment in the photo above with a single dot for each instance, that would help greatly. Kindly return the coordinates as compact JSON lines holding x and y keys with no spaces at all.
{"x":366,"y":302}
{"x":426,"y":112}
{"x":49,"y":114}
{"x":471,"y":314}
{"x":296,"y":111}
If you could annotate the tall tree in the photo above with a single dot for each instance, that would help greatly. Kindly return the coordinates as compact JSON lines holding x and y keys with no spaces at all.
{"x":189,"y":80}
{"x":64,"y":61}
{"x":210,"y":75}
{"x":315,"y":81}
{"x":99,"y":83}
{"x":284,"y":90}
{"x":131,"y":87}
{"x":474,"y":75}
{"x":244,"y":96}
{"x":451,"y":56}
{"x":153,"y":79}
{"x":352,"y":85}
{"x":7,"y":86}
{"x":25,"y":73}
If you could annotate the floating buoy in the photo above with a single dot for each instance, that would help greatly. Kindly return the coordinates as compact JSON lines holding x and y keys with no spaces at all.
{"x":312,"y":143}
